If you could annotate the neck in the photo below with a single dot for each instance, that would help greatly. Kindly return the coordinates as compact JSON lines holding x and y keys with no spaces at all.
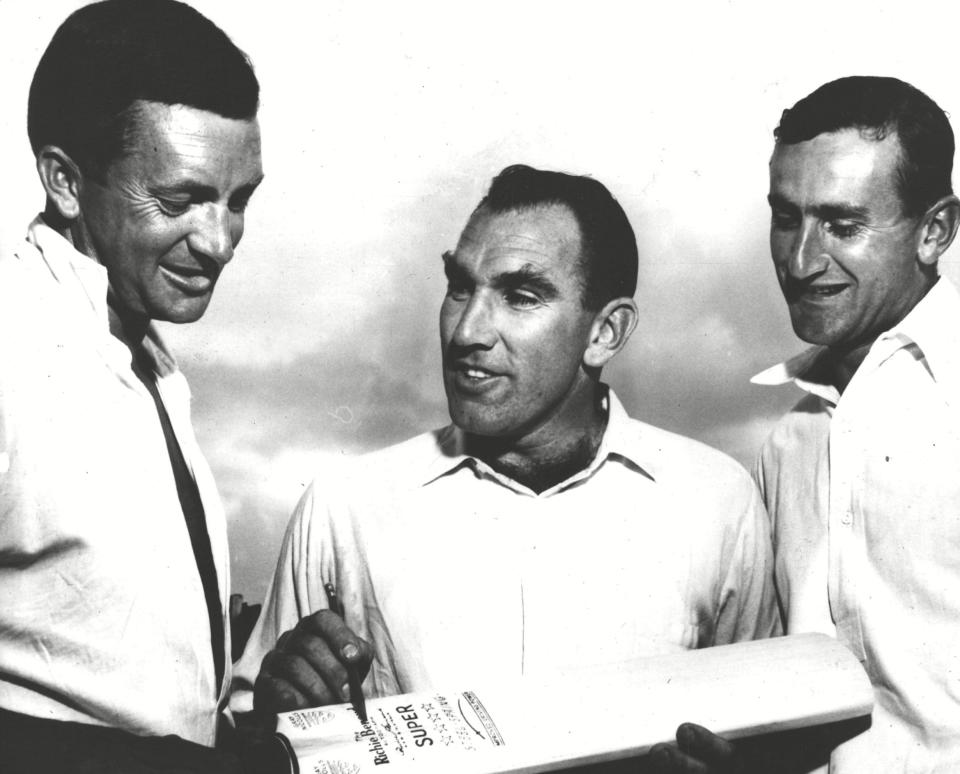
{"x":128,"y":327}
{"x":844,"y":362}
{"x":843,"y":365}
{"x":539,"y":464}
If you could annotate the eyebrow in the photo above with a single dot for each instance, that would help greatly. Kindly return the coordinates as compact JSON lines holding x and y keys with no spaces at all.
{"x":525,"y":277}
{"x":826,"y":211}
{"x":202,"y":190}
{"x":529,"y":278}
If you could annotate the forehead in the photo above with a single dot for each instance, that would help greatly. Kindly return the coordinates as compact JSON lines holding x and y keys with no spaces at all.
{"x":546,"y":237}
{"x":177,"y":140}
{"x":837,"y":167}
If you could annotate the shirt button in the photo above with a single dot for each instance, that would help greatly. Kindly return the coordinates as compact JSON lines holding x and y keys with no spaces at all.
{"x":846,"y":518}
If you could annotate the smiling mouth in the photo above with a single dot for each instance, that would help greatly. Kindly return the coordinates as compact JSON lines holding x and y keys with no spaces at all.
{"x":189,"y":280}
{"x":795,"y":291}
{"x":824,"y":290}
{"x":475,"y":374}
{"x":472,"y":378}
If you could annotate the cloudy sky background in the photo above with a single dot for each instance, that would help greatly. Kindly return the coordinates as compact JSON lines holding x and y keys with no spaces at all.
{"x":384,"y":122}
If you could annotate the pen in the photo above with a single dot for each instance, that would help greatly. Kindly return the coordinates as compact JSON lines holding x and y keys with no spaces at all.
{"x":353,"y":676}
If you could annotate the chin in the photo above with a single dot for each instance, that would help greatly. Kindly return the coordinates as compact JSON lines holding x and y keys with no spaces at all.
{"x":817,"y":337}
{"x":813,"y":333}
{"x":476,"y":423}
{"x":183,"y":313}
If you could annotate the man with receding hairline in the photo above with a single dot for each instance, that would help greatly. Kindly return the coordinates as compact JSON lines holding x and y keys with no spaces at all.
{"x":114,"y":635}
{"x":544,"y":529}
{"x":860,"y":478}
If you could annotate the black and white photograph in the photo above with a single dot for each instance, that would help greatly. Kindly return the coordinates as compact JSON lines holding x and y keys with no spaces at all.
{"x":494,"y":388}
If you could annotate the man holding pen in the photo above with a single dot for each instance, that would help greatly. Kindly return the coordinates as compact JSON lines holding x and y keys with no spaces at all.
{"x":544,"y":529}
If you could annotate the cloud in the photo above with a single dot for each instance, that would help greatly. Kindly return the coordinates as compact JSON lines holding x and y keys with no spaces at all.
{"x":380,"y":138}
{"x":711,"y":316}
{"x":268,"y":430}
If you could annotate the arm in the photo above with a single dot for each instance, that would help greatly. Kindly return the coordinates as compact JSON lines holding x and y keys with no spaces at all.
{"x":308,"y":666}
{"x":297,"y":654}
{"x":748,"y":604}
{"x":748,"y":610}
{"x":288,"y":600}
{"x":802,"y":751}
{"x":698,"y":751}
{"x":30,"y":745}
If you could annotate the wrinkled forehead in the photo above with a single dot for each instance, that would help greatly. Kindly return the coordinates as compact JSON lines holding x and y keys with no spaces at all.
{"x":543,"y":234}
{"x":836,"y":162}
{"x":157,"y":122}
{"x":179,"y":137}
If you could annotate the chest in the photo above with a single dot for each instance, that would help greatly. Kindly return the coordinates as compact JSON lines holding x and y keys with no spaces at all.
{"x":503,"y":586}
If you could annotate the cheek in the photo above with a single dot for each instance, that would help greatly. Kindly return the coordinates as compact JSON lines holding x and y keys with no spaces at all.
{"x":448,"y":321}
{"x":553,"y":357}
{"x":236,"y":229}
{"x":779,"y":251}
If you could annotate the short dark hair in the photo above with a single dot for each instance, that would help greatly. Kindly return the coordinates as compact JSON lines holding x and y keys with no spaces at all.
{"x":878,"y":106}
{"x":608,"y":247}
{"x":107,"y":56}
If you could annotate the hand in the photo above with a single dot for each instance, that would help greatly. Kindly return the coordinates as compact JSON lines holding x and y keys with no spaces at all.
{"x":308,"y":666}
{"x":698,"y":751}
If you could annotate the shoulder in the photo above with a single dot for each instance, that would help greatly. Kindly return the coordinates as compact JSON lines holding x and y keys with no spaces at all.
{"x":19,"y":264}
{"x":29,"y":306}
{"x":798,"y":429}
{"x":701,"y":491}
{"x":410,"y":457}
{"x":379,"y":474}
{"x":352,"y":498}
{"x":679,"y":462}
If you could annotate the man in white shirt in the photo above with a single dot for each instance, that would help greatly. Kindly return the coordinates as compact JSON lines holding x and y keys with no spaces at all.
{"x":861,"y":477}
{"x":545,"y":529}
{"x":113,"y":553}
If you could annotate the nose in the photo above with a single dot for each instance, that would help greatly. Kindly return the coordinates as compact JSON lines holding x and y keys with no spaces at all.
{"x":217,"y":232}
{"x":808,"y":255}
{"x":474,"y":323}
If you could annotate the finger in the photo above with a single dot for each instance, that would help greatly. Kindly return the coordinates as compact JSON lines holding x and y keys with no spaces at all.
{"x":272,"y":694}
{"x":283,"y":639}
{"x":291,"y":667}
{"x":349,"y":647}
{"x":321,"y":662}
{"x":704,"y":745}
{"x":667,"y":759}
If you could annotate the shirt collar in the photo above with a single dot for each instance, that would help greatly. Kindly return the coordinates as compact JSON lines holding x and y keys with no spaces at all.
{"x":933,"y":325}
{"x":801,"y":369}
{"x":85,"y":278}
{"x":69,"y":267}
{"x":621,"y":442}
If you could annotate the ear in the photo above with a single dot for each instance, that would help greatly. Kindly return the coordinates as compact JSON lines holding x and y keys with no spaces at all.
{"x":938,"y":229}
{"x":611,"y":329}
{"x":61,"y":179}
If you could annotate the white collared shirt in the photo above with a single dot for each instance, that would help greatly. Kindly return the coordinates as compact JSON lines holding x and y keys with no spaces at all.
{"x":102,"y":611}
{"x":458,"y":574}
{"x":863,"y":492}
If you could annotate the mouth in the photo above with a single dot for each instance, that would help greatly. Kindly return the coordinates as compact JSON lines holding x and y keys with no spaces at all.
{"x":191,"y":280}
{"x":473,"y":378}
{"x":797,"y":292}
{"x":824,"y":290}
{"x":475,"y":374}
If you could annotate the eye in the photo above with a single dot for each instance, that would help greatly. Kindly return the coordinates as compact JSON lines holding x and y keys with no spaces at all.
{"x":174,"y":207}
{"x":520,"y":299}
{"x":457,"y":291}
{"x":783,"y":220}
{"x":843,"y":229}
{"x":239,"y":203}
